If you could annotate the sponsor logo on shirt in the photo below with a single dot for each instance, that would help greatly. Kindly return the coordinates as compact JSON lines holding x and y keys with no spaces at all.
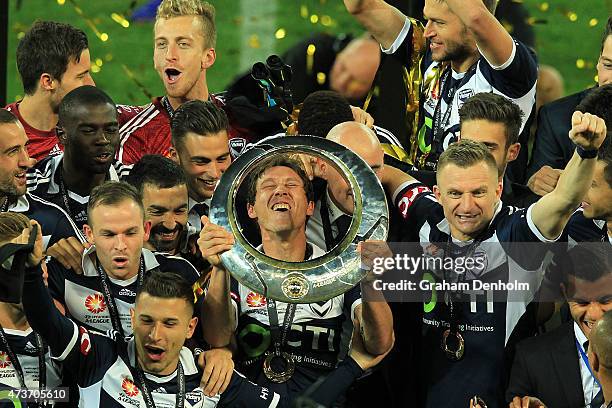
{"x":95,"y":303}
{"x":129,"y":388}
{"x":5,"y":361}
{"x":255,"y":300}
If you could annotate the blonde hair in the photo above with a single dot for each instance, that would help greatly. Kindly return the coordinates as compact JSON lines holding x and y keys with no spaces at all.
{"x":12,"y":225}
{"x":206,"y":11}
{"x":466,"y":153}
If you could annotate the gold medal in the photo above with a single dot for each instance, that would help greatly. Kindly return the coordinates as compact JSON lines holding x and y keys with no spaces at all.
{"x":284,"y":375}
{"x":454,"y":353}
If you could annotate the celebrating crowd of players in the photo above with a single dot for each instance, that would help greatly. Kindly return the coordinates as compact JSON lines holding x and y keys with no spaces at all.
{"x":125,"y":300}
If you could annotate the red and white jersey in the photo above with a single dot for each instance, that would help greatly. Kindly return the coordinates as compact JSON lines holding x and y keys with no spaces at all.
{"x":42,"y":143}
{"x":146,"y":130}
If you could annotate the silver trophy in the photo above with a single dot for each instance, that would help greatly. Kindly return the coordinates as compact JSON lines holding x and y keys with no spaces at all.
{"x":317,"y":279}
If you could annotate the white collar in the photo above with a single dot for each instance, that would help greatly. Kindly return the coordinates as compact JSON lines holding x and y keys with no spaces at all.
{"x":90,"y":269}
{"x":579,"y":335}
{"x":22,"y":204}
{"x":316,"y":251}
{"x":55,"y":163}
{"x":334,"y":211}
{"x":192,"y":201}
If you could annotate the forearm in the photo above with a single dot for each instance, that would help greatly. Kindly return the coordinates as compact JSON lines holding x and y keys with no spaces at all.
{"x":573,"y":184}
{"x":376,"y":321}
{"x":551,"y":212}
{"x":44,"y":318}
{"x":392,"y":178}
{"x":337,"y":382}
{"x":383,"y":21}
{"x":217,"y":314}
{"x":491,"y":37}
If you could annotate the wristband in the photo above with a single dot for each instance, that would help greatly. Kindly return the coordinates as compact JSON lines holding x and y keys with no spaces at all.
{"x":586,"y":154}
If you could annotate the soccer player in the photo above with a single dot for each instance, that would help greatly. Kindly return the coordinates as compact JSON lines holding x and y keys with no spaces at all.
{"x":88,"y":131}
{"x":153,"y":368}
{"x":163,"y":187}
{"x":184,"y":49}
{"x":26,"y":361}
{"x":280,"y":200}
{"x":14,"y":163}
{"x":468,"y":52}
{"x":52,"y":59}
{"x":115,"y":265}
{"x":495,"y":121}
{"x":465,"y":209}
{"x":335,"y":205}
{"x":200,"y":146}
{"x":551,"y":151}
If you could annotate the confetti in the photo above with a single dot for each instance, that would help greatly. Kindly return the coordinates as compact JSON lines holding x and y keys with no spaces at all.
{"x":280,"y":34}
{"x":580,"y":63}
{"x":254,"y":41}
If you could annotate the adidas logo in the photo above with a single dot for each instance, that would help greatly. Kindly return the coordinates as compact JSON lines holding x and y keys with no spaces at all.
{"x":82,"y":216}
{"x":160,"y":390}
{"x":126,"y":292}
{"x":30,"y":348}
{"x":55,"y":150}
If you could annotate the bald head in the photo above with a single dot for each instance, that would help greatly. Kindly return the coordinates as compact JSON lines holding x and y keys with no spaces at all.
{"x":601,"y":343}
{"x":361,"y":140}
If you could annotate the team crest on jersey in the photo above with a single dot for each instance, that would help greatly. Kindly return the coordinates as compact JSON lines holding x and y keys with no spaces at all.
{"x":464,"y":95}
{"x":255,"y":300}
{"x":95,"y":303}
{"x":5,"y":361}
{"x":129,"y":388}
{"x":321,"y":308}
{"x":194,"y":397}
{"x":237,"y":145}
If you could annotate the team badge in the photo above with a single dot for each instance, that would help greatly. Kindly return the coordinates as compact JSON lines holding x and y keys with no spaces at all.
{"x":237,"y":146}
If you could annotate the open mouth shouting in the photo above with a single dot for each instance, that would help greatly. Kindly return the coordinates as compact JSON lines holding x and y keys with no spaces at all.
{"x":120,"y":261}
{"x":172,"y":75}
{"x":154,"y":353}
{"x":20,"y":177}
{"x":280,"y":207}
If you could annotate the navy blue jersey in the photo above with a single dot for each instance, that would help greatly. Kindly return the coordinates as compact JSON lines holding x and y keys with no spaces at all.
{"x":44,"y":180}
{"x":82,"y":295}
{"x":54,"y":221}
{"x":24,"y":345}
{"x":102,"y":365}
{"x":485,"y":325}
{"x":582,"y":229}
{"x":515,"y":80}
{"x":313,"y":339}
